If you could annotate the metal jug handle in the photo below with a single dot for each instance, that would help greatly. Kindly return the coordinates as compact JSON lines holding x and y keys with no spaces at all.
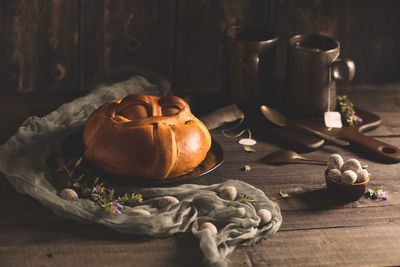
{"x":343,"y":69}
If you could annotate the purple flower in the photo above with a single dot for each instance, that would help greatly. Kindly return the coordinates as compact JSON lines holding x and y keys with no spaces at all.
{"x":378,"y":194}
{"x":117,"y":207}
{"x":98,"y":188}
{"x":358,"y":120}
{"x":351,"y":113}
{"x":382,"y":195}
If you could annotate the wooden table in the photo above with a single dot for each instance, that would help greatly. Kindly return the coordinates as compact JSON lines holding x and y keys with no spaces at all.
{"x":317,"y":229}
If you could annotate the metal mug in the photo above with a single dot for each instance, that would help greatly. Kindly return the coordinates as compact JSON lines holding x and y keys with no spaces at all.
{"x":313,"y":67}
{"x":249,"y":64}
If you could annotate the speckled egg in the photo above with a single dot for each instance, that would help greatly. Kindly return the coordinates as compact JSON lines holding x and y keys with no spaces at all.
{"x":335,"y":174}
{"x":362,"y":176}
{"x":335,"y":161}
{"x":241,"y":211}
{"x":229,"y":193}
{"x":265,"y":216}
{"x":351,"y":164}
{"x":349,"y":177}
{"x":139,"y":212}
{"x":68,"y":194}
{"x":167,"y":200}
{"x":209,"y":226}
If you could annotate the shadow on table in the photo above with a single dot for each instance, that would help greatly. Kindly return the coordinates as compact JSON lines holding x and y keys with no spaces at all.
{"x":320,"y":199}
{"x":97,"y":245}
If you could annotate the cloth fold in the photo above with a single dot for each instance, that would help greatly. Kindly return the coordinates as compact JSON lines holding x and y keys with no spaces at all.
{"x":221,"y":116}
{"x":23,"y":161}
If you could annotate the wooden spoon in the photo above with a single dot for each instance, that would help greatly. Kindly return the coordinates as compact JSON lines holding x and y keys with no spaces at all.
{"x":279,"y":119}
{"x":281,"y":156}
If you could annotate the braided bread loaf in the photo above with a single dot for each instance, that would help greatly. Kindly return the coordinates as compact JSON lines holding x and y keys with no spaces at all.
{"x":146,"y":136}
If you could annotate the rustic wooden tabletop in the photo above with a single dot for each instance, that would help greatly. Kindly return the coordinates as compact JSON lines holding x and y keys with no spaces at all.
{"x":317,"y":229}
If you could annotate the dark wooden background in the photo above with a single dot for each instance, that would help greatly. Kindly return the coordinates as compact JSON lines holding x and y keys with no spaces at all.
{"x":60,"y":45}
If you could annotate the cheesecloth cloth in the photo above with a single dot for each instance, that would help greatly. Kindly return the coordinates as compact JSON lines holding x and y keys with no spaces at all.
{"x":23,"y":161}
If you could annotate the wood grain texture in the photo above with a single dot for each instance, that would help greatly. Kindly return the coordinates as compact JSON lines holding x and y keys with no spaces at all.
{"x":365,"y":30}
{"x":370,"y":38}
{"x":126,"y":33}
{"x":40,"y":48}
{"x":71,"y":45}
{"x":92,"y":43}
{"x":17,"y":107}
{"x":375,"y":245}
{"x":69,"y":243}
{"x":201,"y":28}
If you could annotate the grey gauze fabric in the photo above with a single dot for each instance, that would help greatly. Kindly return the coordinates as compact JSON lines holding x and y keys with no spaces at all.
{"x":23,"y":162}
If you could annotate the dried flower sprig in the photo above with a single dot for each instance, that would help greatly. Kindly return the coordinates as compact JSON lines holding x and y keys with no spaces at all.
{"x":96,"y":191}
{"x":246,"y":168}
{"x":377,"y":194}
{"x":248,"y":149}
{"x":346,"y":109}
{"x":284,"y":194}
{"x":245,"y":198}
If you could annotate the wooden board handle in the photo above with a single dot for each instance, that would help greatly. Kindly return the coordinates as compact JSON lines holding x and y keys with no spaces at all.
{"x":380,"y":150}
{"x":322,"y":135}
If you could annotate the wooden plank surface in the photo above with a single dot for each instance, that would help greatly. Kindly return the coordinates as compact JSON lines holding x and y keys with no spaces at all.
{"x":360,"y":26}
{"x":317,"y":228}
{"x":349,"y":246}
{"x":116,"y":34}
{"x":39,"y":47}
{"x":200,"y":30}
{"x":69,"y":45}
{"x":71,"y":244}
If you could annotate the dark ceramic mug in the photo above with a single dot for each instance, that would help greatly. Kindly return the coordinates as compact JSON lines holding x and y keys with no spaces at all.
{"x":313,"y":67}
{"x":249,"y":64}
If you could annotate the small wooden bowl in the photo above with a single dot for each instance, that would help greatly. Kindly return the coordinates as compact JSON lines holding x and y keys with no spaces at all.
{"x":345,"y":191}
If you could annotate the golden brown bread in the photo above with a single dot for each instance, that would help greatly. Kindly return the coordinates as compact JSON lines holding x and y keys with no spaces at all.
{"x":146,"y":136}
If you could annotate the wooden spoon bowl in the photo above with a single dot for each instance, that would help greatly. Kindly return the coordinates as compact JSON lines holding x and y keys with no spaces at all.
{"x":345,"y":191}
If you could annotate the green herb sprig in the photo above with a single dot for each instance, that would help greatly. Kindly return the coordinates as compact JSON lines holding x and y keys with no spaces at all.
{"x":91,"y":187}
{"x":284,"y":194}
{"x":246,"y":168}
{"x":377,"y":194}
{"x":245,"y":198}
{"x":248,"y":149}
{"x":346,"y":109}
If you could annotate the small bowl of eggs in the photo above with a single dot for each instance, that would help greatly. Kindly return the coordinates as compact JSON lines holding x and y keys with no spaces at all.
{"x":346,"y":179}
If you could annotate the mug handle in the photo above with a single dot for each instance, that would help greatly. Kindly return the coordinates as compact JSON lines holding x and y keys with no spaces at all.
{"x":251,"y":65}
{"x":343,"y":69}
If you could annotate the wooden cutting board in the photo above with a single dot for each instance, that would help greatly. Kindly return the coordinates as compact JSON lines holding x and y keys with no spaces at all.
{"x":368,"y":146}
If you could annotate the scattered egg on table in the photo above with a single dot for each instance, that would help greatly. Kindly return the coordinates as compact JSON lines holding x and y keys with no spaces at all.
{"x":139,"y":212}
{"x":265,"y":216}
{"x":209,"y":226}
{"x":68,"y":194}
{"x":349,"y":177}
{"x":335,"y":174}
{"x":167,"y":200}
{"x":247,"y":142}
{"x":351,"y":164}
{"x":229,"y":193}
{"x":362,"y":176}
{"x":335,"y":161}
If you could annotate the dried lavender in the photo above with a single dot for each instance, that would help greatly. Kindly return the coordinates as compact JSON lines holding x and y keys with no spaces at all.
{"x":346,"y":109}
{"x":91,"y":188}
{"x":378,"y":194}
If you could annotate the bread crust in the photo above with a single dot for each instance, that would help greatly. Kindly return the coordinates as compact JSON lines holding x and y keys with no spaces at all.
{"x":146,"y":136}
